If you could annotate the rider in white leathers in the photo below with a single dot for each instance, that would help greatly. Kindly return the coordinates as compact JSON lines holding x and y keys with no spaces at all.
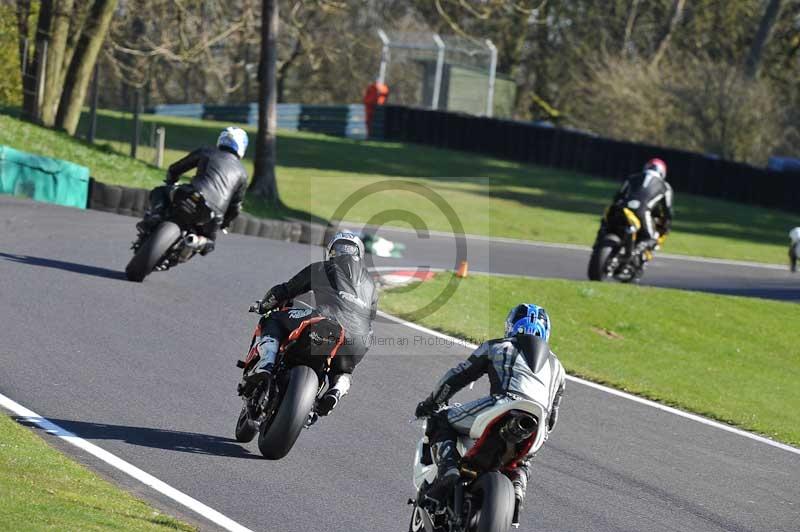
{"x":508,"y":365}
{"x":794,"y":248}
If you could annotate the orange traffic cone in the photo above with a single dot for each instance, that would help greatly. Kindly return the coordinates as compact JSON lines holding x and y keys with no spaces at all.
{"x":462,"y":270}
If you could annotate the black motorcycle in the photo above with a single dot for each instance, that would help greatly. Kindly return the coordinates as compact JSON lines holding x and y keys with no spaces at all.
{"x":279,"y":407}
{"x":483,"y":499}
{"x":615,"y":253}
{"x":175,"y":237}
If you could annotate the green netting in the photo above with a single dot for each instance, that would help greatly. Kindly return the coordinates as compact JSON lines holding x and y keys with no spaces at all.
{"x":43,"y":179}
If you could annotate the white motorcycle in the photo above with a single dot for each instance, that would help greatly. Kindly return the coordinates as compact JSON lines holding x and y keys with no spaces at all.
{"x":483,"y":499}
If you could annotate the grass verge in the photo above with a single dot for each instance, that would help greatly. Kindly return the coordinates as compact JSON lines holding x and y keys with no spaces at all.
{"x":733,"y":359}
{"x":318,"y":173}
{"x":42,"y":489}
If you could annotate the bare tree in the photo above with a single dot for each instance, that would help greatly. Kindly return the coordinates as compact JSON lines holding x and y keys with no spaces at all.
{"x":82,"y":63}
{"x":264,"y":185}
{"x":765,"y":27}
{"x":663,"y":42}
{"x":57,"y":43}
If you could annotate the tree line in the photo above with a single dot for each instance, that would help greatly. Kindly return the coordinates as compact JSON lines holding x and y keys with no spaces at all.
{"x":716,"y":76}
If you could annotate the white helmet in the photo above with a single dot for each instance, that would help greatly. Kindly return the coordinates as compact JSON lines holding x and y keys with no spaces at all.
{"x":345,"y":243}
{"x":234,"y":138}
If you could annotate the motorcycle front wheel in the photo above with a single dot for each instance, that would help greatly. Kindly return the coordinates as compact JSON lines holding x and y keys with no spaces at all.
{"x":246,"y":428}
{"x":277,"y":436}
{"x":497,"y":502}
{"x":152,"y":251}
{"x":420,"y":521}
{"x":599,"y":261}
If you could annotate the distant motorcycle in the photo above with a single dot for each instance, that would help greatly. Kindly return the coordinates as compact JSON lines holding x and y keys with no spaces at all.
{"x":483,"y":499}
{"x":176,"y":239}
{"x":614,"y":253}
{"x":278,"y":408}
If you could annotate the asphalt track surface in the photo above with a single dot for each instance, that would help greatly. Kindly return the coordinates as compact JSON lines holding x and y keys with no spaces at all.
{"x":509,"y":257}
{"x":146,"y":371}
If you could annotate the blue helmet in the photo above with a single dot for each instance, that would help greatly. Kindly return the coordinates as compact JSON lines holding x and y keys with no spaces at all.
{"x":235,"y":139}
{"x":530,"y":319}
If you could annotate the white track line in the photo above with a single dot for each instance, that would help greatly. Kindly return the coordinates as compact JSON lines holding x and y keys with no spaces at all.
{"x":28,"y":416}
{"x":579,"y":247}
{"x":612,"y":391}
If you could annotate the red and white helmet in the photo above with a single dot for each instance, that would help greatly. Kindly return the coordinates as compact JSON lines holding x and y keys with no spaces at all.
{"x":656,"y":165}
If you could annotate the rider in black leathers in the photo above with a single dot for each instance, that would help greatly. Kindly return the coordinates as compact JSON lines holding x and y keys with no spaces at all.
{"x":220,"y":179}
{"x":344,"y":292}
{"x":650,"y":196}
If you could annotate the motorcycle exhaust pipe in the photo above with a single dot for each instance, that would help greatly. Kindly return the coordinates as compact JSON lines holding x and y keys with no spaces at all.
{"x":519,"y":428}
{"x":195,"y":242}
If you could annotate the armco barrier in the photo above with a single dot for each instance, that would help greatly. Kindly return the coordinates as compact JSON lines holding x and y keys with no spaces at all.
{"x":133,"y":202}
{"x":340,"y":120}
{"x":42,"y":178}
{"x":689,"y":172}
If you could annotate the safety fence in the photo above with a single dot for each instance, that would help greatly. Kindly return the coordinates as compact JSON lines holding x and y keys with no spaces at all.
{"x":689,"y":172}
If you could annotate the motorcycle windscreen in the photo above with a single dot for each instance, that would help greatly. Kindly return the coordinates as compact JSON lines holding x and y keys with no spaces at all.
{"x":535,"y":350}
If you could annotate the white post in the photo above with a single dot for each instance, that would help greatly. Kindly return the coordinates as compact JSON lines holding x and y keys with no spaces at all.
{"x":384,"y":56}
{"x":437,"y":83}
{"x":161,"y":135}
{"x":492,"y":69}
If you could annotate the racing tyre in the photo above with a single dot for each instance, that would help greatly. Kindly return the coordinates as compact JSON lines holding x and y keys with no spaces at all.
{"x":152,"y":251}
{"x":497,"y":506}
{"x":597,"y":263}
{"x":276,"y":439}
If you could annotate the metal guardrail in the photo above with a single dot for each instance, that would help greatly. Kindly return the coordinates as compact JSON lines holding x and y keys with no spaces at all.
{"x":341,"y":120}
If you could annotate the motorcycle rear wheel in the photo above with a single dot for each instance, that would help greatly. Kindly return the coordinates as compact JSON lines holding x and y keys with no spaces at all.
{"x":276,"y":438}
{"x":497,"y":505}
{"x":152,"y":251}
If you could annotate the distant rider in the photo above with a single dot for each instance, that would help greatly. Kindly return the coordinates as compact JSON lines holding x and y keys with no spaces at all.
{"x":794,"y":248}
{"x":650,"y":196}
{"x":344,"y":292}
{"x":220,"y":179}
{"x":504,"y":362}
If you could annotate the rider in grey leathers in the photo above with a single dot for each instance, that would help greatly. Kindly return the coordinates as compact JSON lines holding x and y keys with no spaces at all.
{"x":505,"y":362}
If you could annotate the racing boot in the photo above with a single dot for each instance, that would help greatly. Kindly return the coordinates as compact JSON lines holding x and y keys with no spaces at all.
{"x":331,"y":398}
{"x":267,"y":348}
{"x":446,"y":456}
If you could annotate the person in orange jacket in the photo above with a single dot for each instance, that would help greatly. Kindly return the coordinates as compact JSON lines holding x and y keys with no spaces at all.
{"x":377,"y":93}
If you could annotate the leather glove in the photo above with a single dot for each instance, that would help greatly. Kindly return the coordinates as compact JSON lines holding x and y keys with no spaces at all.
{"x":426,"y":408}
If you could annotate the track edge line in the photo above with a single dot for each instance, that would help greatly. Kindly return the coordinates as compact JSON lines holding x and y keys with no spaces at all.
{"x":118,"y":463}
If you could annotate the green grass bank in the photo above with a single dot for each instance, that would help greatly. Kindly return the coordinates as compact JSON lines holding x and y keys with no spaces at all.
{"x":318,"y":173}
{"x":42,"y":489}
{"x":733,"y":359}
